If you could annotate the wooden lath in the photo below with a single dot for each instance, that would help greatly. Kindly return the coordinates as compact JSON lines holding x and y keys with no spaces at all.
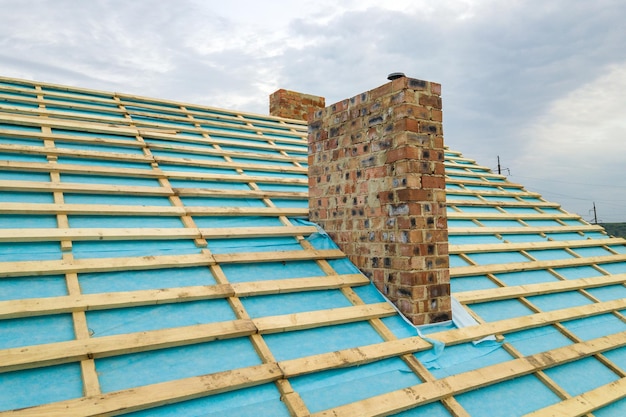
{"x":410,"y":397}
{"x":465,"y":271}
{"x":504,"y":293}
{"x":525,"y":246}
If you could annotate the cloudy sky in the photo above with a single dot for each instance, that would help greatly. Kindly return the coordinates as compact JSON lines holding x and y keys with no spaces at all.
{"x":541,"y":83}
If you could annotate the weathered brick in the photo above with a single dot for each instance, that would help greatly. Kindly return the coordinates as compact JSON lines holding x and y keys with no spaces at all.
{"x":377,"y":186}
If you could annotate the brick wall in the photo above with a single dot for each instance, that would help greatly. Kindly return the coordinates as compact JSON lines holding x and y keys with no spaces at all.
{"x":294,"y":105}
{"x":376,"y":180}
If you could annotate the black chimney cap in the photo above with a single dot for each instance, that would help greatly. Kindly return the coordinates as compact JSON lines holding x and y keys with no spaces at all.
{"x":395,"y":75}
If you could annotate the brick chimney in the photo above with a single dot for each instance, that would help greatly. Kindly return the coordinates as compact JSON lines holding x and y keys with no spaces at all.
{"x":294,"y":105}
{"x":376,"y":185}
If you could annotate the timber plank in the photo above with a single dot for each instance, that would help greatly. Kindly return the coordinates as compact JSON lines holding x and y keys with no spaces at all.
{"x":39,"y":186}
{"x":522,"y":230}
{"x":247,"y":289}
{"x":312,"y":319}
{"x":229,"y":165}
{"x":80,"y":234}
{"x":135,"y":399}
{"x":503,"y":293}
{"x":519,"y":246}
{"x":465,"y":271}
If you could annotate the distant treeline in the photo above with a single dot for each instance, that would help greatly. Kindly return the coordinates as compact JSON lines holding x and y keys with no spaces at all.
{"x":615,"y":229}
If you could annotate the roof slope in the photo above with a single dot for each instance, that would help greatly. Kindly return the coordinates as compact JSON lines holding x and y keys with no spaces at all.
{"x":155,"y":259}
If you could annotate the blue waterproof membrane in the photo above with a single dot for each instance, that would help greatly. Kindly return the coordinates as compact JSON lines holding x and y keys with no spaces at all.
{"x":87,"y":113}
{"x":581,"y":376}
{"x":192,"y":156}
{"x":32,"y":287}
{"x":191,"y":168}
{"x":125,"y":248}
{"x":124,"y":200}
{"x":301,"y":343}
{"x":614,"y":268}
{"x":501,"y":198}
{"x":31,"y":387}
{"x":518,"y":238}
{"x":21,"y":141}
{"x":617,"y":356}
{"x":34,"y":129}
{"x":284,"y":203}
{"x":223,"y":202}
{"x":615,"y":409}
{"x":290,"y":303}
{"x":514,"y":397}
{"x":261,"y":401}
{"x":101,"y":179}
{"x":471,"y":283}
{"x":595,"y":326}
{"x":263,"y":162}
{"x":592,"y":251}
{"x":155,"y":317}
{"x":219,"y":185}
{"x":565,"y":236}
{"x":37,"y":330}
{"x":472,"y":239}
{"x":595,"y":235}
{"x":608,"y":293}
{"x":500,"y":310}
{"x":231,"y":148}
{"x":284,"y":187}
{"x":17,"y":157}
{"x":526,"y":277}
{"x":276,"y":270}
{"x":497,"y":258}
{"x":124,"y":221}
{"x":101,"y":282}
{"x":99,"y":148}
{"x":19,"y":221}
{"x":572,"y":222}
{"x":328,"y":389}
{"x":467,"y":357}
{"x":24,"y":176}
{"x":500,"y":223}
{"x":254,"y":244}
{"x":92,"y":135}
{"x":276,"y":174}
{"x":540,"y":339}
{"x":236,"y":221}
{"x":144,"y":368}
{"x":29,"y":251}
{"x":475,"y":209}
{"x":549,"y":254}
{"x":104,"y":163}
{"x":75,"y":93}
{"x":25,"y":197}
{"x":619,"y":248}
{"x":575,"y":272}
{"x":461,"y":223}
{"x":456,"y":260}
{"x":61,"y":100}
{"x":435,"y":409}
{"x":557,"y":301}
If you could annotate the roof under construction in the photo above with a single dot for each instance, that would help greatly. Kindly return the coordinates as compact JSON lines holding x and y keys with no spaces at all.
{"x":156,"y":259}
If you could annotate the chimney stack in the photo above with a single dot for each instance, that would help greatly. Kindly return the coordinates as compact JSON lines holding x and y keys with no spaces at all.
{"x":294,"y":105}
{"x":377,"y":186}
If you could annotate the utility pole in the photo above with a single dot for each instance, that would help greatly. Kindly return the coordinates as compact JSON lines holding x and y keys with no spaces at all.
{"x":499,"y":169}
{"x":595,"y":214}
